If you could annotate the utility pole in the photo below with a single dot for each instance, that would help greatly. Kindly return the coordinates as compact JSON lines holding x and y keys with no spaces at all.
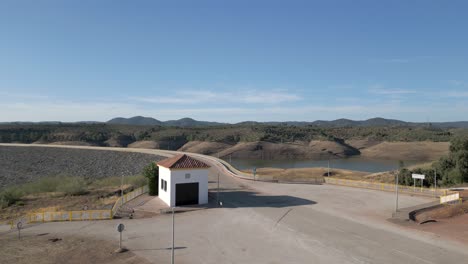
{"x":121,"y":188}
{"x":172,"y":255}
{"x":217,"y":195}
{"x":396,"y":190}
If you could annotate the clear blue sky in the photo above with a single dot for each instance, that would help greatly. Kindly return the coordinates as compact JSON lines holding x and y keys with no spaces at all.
{"x":233,"y":60}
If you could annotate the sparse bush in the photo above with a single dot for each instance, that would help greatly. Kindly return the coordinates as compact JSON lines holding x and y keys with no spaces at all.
{"x":151,"y":172}
{"x":137,"y":181}
{"x":10,"y":196}
{"x":42,"y":185}
{"x":73,"y":186}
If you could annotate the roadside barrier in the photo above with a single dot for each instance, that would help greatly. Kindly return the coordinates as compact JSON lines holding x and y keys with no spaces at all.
{"x":450,"y":198}
{"x":84,"y":215}
{"x":69,"y":216}
{"x":128,"y":197}
{"x":388,"y":187}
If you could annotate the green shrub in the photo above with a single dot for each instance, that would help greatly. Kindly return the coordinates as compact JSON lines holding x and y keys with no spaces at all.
{"x":73,"y":186}
{"x":10,"y":196}
{"x":151,"y":172}
{"x":47,"y":184}
{"x":107,"y":182}
{"x":137,"y":181}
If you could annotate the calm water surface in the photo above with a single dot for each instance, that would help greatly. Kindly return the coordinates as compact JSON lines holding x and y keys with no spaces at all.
{"x":353,"y":163}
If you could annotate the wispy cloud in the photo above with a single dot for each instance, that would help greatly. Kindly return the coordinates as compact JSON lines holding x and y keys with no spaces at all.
{"x":397,"y":60}
{"x":17,"y":108}
{"x":380,"y":89}
{"x":457,"y":94}
{"x":241,"y":96}
{"x":457,"y":83}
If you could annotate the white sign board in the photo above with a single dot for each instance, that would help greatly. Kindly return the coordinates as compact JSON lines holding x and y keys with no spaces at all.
{"x":418,"y":176}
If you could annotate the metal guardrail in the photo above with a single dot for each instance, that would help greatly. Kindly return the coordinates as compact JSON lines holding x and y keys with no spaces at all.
{"x":389,"y":187}
{"x":455,"y":197}
{"x":128,"y":197}
{"x":68,"y":216}
{"x":84,"y":215}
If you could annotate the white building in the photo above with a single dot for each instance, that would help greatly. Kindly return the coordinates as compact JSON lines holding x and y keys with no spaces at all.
{"x":183,"y":180}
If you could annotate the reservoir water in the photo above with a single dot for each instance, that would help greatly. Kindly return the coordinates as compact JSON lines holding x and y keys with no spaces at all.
{"x":353,"y":163}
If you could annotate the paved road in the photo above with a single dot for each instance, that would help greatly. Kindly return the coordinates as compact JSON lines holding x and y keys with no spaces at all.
{"x":278,"y":223}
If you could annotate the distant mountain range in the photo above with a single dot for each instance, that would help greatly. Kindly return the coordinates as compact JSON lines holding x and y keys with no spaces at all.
{"x":149,"y":121}
{"x":373,"y":122}
{"x":189,"y":122}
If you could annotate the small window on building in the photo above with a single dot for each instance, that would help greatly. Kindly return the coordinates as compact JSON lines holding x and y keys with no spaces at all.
{"x":165,"y":186}
{"x":162,"y":184}
{"x":187,"y":175}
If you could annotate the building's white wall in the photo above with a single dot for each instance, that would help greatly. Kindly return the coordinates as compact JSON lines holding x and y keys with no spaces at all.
{"x":176,"y":176}
{"x":165,"y":174}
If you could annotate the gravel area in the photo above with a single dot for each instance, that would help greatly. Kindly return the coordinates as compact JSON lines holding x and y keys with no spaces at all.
{"x":23,"y":164}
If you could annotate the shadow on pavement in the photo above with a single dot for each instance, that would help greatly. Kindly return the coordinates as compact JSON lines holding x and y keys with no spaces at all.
{"x":239,"y":199}
{"x":149,"y":249}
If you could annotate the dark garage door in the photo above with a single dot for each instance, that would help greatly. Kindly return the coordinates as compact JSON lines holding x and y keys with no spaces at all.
{"x":186,"y":193}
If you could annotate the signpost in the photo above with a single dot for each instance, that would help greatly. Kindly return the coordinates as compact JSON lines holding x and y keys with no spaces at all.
{"x":120,"y":228}
{"x":418,"y":176}
{"x":19,"y":225}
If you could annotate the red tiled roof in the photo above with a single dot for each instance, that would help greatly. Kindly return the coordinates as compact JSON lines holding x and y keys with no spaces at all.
{"x":182,"y":162}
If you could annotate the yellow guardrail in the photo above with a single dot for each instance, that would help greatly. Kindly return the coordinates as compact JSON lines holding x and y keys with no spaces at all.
{"x":84,"y":215}
{"x":388,"y":187}
{"x":69,"y":216}
{"x":455,"y":197}
{"x":128,"y":197}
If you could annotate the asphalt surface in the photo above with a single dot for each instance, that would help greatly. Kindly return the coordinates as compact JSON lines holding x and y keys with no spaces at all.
{"x":277,"y":223}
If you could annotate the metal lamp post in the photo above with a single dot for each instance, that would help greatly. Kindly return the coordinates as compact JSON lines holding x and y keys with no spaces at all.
{"x":172,"y":253}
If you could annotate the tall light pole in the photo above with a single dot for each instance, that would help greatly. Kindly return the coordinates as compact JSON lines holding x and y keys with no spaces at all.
{"x":396,"y":190}
{"x":217,"y":194}
{"x":172,"y":255}
{"x":121,"y":189}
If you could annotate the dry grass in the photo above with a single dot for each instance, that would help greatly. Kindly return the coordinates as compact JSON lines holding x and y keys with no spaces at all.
{"x":46,"y":195}
{"x":204,"y":147}
{"x":304,"y":174}
{"x":419,"y":151}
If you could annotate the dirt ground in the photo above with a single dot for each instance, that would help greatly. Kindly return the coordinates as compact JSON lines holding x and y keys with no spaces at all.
{"x":41,"y":248}
{"x":452,"y":228}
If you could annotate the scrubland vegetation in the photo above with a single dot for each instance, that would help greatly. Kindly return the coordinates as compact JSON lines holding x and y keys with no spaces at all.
{"x":175,"y":137}
{"x":449,"y":170}
{"x":64,"y":186}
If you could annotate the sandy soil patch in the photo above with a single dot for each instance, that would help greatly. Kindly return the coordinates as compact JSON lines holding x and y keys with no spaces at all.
{"x":204,"y":147}
{"x":420,"y":151}
{"x":147,"y":144}
{"x":72,"y":143}
{"x":40,"y":248}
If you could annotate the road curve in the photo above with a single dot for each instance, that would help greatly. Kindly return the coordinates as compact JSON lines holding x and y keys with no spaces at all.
{"x":265,"y":222}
